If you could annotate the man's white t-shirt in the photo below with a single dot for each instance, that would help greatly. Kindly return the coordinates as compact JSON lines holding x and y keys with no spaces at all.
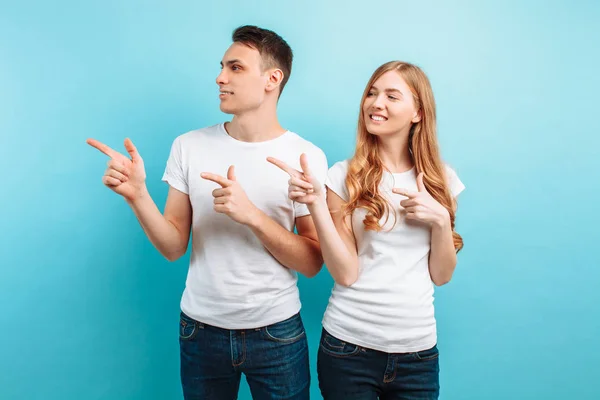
{"x":390,"y":306}
{"x":233,"y":282}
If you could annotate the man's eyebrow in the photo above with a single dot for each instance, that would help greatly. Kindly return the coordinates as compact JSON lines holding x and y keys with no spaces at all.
{"x":229,"y":62}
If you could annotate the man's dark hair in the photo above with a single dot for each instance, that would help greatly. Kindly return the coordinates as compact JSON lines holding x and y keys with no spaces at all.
{"x":275,"y":51}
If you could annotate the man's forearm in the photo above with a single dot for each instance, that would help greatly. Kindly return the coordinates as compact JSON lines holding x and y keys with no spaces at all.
{"x":296,"y":252}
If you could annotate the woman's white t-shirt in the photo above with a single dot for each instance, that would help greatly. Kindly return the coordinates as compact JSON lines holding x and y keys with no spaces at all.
{"x":390,"y":306}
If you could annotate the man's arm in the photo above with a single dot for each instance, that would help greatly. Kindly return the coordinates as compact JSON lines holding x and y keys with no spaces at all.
{"x":299,"y":252}
{"x":170,"y":232}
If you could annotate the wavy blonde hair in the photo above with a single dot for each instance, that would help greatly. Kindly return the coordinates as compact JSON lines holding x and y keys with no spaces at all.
{"x":365,"y":169}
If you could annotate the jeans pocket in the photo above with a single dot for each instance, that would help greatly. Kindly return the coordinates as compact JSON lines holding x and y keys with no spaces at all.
{"x":337,"y":348}
{"x":287,"y":331}
{"x":188,"y":328}
{"x":429,"y":354}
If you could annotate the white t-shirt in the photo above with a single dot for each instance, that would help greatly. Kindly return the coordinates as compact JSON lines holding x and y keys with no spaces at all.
{"x":233,"y":282}
{"x":390,"y":306}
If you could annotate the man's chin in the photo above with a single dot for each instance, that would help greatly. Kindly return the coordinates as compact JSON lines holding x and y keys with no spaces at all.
{"x":226,"y":110}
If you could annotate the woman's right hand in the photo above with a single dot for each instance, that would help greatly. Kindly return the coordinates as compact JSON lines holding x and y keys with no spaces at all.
{"x":303,"y":186}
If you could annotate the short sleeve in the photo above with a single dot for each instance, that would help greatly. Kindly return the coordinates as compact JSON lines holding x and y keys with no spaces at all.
{"x":174,"y":173}
{"x":455,"y":184}
{"x":318,"y":165}
{"x":336,"y":179}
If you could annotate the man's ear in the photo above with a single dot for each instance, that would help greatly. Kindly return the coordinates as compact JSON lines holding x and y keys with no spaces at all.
{"x":275,"y":79}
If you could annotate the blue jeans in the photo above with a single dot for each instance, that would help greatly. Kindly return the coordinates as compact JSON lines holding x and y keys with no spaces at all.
{"x":350,"y":372}
{"x":273,"y":358}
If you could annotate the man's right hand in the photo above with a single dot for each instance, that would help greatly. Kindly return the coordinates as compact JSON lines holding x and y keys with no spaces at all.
{"x":124,"y":176}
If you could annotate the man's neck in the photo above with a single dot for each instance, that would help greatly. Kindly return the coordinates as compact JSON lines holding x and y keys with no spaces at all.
{"x":256,"y":126}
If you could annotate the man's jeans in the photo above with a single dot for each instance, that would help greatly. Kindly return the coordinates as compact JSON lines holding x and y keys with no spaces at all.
{"x":273,"y":358}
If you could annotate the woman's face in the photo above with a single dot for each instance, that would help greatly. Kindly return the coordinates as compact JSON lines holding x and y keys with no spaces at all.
{"x":389,"y":107}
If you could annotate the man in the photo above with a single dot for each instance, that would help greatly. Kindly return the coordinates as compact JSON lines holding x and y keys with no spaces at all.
{"x":240,"y":306}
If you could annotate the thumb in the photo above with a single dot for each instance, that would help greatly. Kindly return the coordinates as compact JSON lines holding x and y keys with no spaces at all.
{"x":304,"y":165}
{"x":400,"y":191}
{"x":231,"y":173}
{"x":132,"y":150}
{"x":420,"y":184}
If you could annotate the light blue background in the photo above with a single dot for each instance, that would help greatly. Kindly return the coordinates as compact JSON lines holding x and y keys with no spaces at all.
{"x":89,"y":307}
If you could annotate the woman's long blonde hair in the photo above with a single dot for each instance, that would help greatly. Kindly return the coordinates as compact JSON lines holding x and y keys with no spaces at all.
{"x":365,"y":169}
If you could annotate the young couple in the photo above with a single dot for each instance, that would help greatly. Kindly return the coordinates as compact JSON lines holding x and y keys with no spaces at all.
{"x":382,"y":221}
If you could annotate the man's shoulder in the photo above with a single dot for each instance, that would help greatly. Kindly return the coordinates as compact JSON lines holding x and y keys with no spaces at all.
{"x":304,"y":145}
{"x":200,"y":133}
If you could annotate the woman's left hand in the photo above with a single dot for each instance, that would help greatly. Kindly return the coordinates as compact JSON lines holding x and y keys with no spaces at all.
{"x":421,"y":206}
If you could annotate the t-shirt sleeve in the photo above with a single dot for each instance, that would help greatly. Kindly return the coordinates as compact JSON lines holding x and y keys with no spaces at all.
{"x":336,"y":179}
{"x":317,"y":162}
{"x":455,"y":184}
{"x":174,"y":173}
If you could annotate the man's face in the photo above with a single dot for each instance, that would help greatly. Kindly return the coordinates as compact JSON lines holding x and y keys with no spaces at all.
{"x":242,"y":81}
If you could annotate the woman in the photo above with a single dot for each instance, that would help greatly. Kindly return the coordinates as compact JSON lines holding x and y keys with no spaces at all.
{"x":386,"y":228}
